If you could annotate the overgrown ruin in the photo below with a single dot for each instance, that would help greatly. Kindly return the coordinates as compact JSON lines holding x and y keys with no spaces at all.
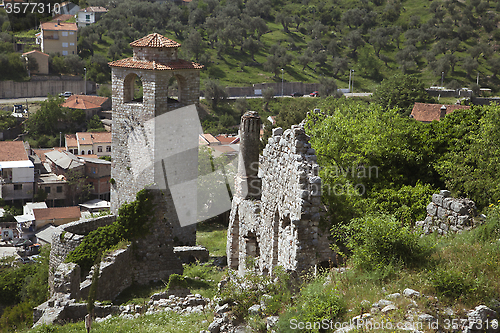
{"x":276,"y":208}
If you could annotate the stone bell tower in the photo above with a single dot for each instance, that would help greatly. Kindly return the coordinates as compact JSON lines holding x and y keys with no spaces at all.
{"x":154,"y":64}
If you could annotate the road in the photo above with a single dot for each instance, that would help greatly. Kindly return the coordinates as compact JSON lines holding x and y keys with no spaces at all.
{"x":12,"y":101}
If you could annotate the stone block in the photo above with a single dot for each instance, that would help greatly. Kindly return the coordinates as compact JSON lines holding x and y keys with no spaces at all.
{"x":437,"y":199}
{"x":459,"y":208}
{"x":432,"y":209}
{"x":447,"y":202}
{"x":442,"y":213}
{"x":445,"y":193}
{"x":191,"y":254}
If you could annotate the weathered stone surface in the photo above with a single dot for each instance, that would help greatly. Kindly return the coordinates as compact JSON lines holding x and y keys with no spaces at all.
{"x":284,"y":231}
{"x":411,"y":293}
{"x":191,"y":254}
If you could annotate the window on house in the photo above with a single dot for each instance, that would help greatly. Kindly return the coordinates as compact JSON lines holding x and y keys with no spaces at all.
{"x":59,"y":189}
{"x":71,"y":33}
{"x":89,"y":152}
{"x":108,"y":149}
{"x":71,"y":44}
{"x":93,"y":170}
{"x":99,"y":149}
{"x":47,"y":189}
{"x":64,"y":53}
{"x":18,"y":187}
{"x":87,"y":17}
{"x":64,"y":33}
{"x":83,"y":152}
{"x":64,"y":44}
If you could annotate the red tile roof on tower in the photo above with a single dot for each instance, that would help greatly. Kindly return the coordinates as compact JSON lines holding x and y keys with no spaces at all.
{"x":154,"y":40}
{"x":12,"y":151}
{"x":429,"y":112}
{"x":146,"y":64}
{"x":101,"y":137}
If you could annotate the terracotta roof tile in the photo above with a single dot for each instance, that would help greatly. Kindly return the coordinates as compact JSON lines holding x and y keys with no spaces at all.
{"x":154,"y":40}
{"x":57,"y":213}
{"x":12,"y":151}
{"x":64,"y":26}
{"x":84,"y":138}
{"x":101,"y":137}
{"x":77,"y":103}
{"x":145,"y":64}
{"x":98,"y":100}
{"x":429,"y":112}
{"x":226,"y":140}
{"x":35,"y":51}
{"x":71,"y":140}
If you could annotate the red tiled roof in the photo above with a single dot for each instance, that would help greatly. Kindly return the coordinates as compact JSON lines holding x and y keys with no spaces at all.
{"x":225,"y":140}
{"x":63,"y":26}
{"x":145,"y":64}
{"x":71,"y":140}
{"x":35,"y":51}
{"x":12,"y":151}
{"x":56,"y":213}
{"x":84,"y":138}
{"x":77,"y":103}
{"x":429,"y":112}
{"x":101,"y":137}
{"x":98,"y":100}
{"x":154,"y":40}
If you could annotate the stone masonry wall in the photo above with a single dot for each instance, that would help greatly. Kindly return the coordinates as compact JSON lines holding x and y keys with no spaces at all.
{"x":133,"y":138}
{"x":67,"y":237}
{"x":282,"y":227}
{"x":446,"y":214}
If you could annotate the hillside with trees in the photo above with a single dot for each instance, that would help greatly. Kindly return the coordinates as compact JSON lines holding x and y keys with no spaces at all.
{"x":253,"y":40}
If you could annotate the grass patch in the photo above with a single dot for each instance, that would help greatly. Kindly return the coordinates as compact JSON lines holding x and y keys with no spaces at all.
{"x":161,"y":322}
{"x":213,"y":236}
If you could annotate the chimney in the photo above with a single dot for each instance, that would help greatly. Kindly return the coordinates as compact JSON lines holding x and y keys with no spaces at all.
{"x":443,"y":112}
{"x":248,"y":184}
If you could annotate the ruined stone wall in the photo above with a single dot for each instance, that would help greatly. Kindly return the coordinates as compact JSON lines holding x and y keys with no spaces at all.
{"x":447,"y":215}
{"x":282,"y":227}
{"x":67,"y":237}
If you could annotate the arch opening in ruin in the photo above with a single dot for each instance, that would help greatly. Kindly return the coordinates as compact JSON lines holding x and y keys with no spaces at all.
{"x":132,"y":89}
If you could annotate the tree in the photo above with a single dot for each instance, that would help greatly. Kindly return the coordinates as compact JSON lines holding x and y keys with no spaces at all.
{"x":401,"y":91}
{"x":285,"y":20}
{"x":214,"y":91}
{"x":95,"y":125}
{"x":470,"y":65}
{"x":267,"y":95}
{"x":45,"y":120}
{"x":79,"y":190}
{"x":327,"y":87}
{"x":194,"y":44}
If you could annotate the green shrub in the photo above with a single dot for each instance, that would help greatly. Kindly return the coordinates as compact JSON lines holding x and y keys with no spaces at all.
{"x":451,"y":283}
{"x":491,"y":229}
{"x":377,"y":241}
{"x":176,"y":280}
{"x":317,"y":304}
{"x":133,"y":221}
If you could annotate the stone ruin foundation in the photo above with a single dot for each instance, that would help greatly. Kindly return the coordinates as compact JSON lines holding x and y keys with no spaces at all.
{"x":276,"y":221}
{"x":448,"y":215}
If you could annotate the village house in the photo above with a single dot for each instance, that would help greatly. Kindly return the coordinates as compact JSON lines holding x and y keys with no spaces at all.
{"x":41,"y":59}
{"x":56,"y":188}
{"x":89,"y":15}
{"x":35,"y":219}
{"x":88,"y":143}
{"x":98,"y":173}
{"x":426,"y":113}
{"x":92,"y":105}
{"x":17,"y":176}
{"x":58,"y":37}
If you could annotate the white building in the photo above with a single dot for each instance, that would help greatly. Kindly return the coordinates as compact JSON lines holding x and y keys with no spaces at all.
{"x":17,"y":172}
{"x":89,"y":15}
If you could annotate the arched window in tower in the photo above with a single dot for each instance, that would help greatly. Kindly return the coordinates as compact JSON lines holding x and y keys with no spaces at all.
{"x":132,"y":89}
{"x":173,"y":90}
